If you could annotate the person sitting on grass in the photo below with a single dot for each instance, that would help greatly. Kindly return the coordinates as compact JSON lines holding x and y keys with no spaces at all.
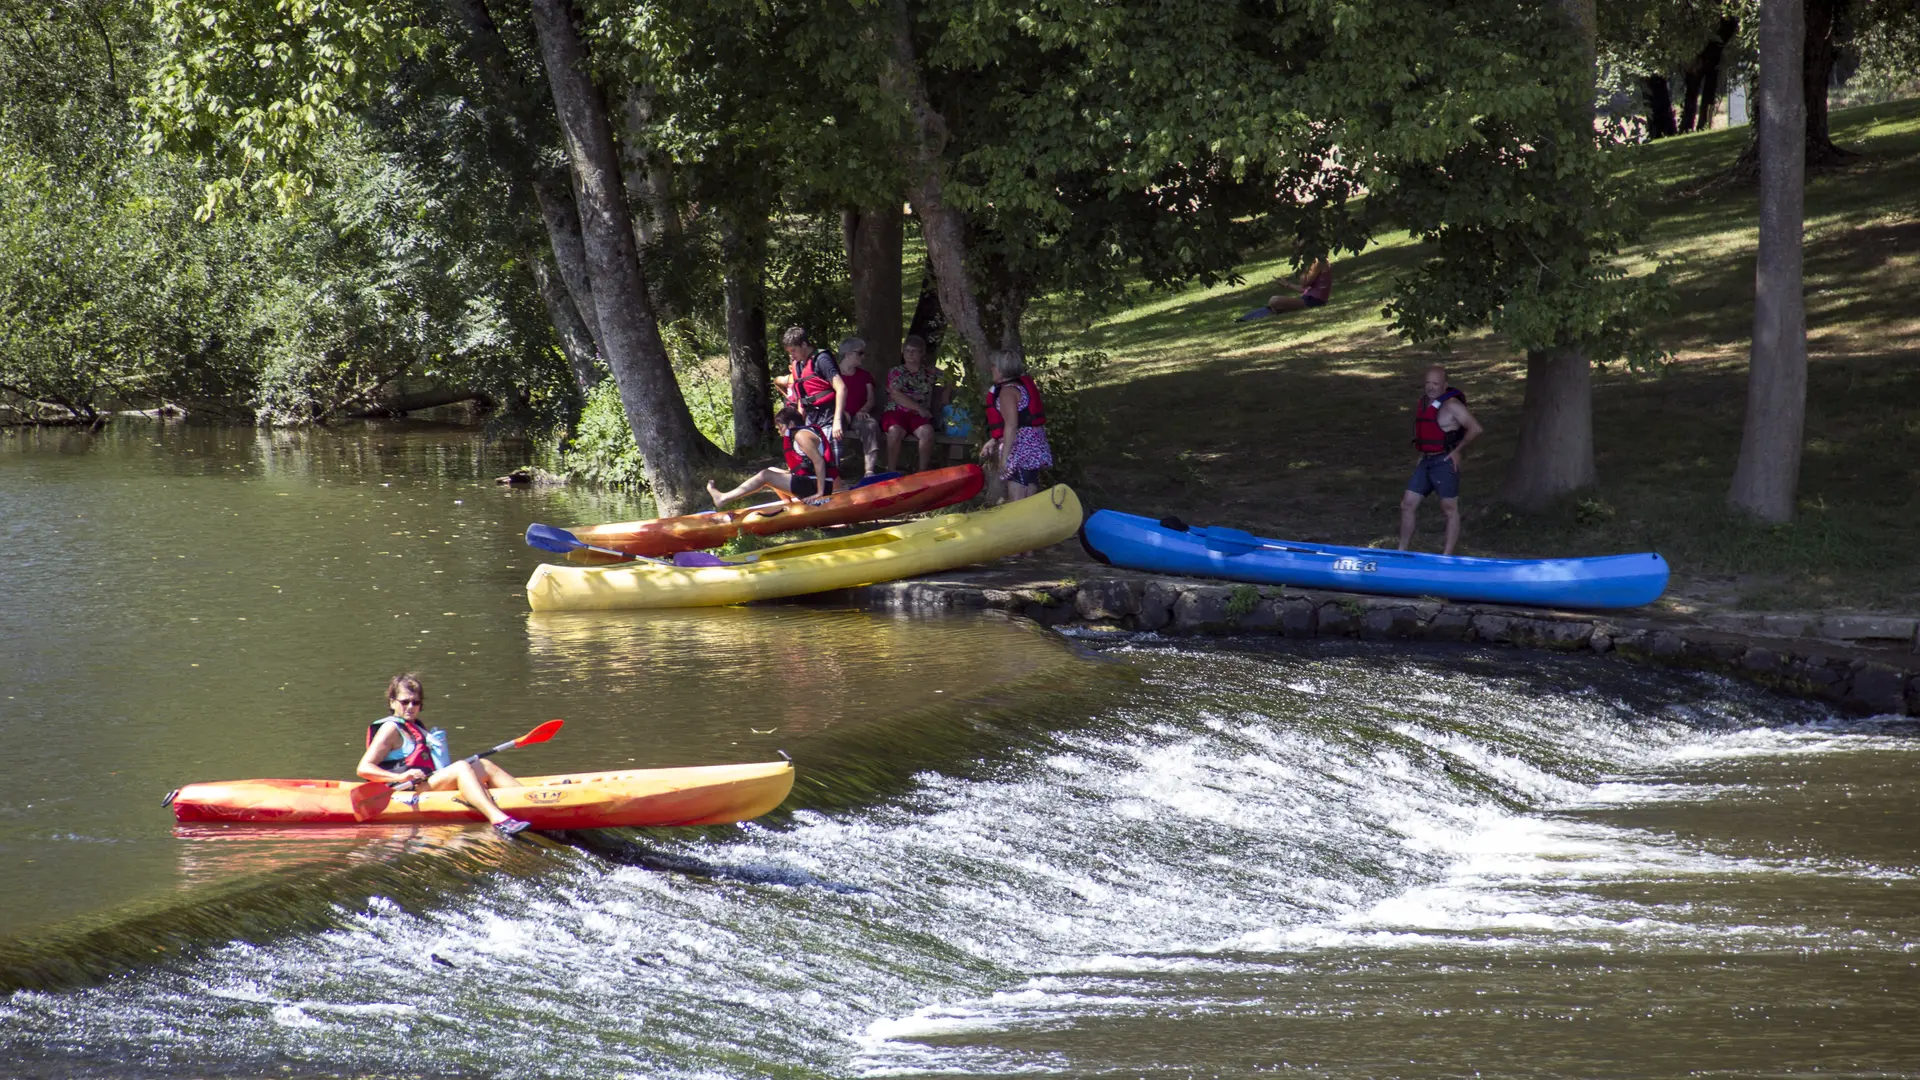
{"x":1314,"y":289}
{"x":398,"y":751}
{"x":910,"y":397}
{"x":810,"y":470}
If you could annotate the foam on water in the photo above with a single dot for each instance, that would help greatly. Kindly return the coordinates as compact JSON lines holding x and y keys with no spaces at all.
{"x":1243,"y":814}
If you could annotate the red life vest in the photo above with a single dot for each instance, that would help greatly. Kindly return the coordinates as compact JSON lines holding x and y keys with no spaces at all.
{"x":799,"y":464}
{"x":420,"y":757}
{"x":1032,"y":414}
{"x":813,"y":390}
{"x":1428,"y":436}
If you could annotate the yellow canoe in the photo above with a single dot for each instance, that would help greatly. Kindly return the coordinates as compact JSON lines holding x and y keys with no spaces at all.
{"x":926,"y":546}
{"x":691,"y":795}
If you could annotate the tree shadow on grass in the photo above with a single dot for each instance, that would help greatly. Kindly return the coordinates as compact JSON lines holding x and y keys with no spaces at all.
{"x":1299,"y":425}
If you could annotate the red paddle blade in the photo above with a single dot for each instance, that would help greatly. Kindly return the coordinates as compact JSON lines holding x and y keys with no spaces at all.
{"x":369,"y":799}
{"x":540,"y":734}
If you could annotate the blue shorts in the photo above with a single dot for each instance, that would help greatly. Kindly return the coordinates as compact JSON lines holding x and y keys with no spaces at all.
{"x":1435,"y":475}
{"x":1310,"y":300}
{"x":1023,"y":477}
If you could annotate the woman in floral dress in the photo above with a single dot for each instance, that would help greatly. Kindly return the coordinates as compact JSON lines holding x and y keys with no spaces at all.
{"x":1016,"y":426}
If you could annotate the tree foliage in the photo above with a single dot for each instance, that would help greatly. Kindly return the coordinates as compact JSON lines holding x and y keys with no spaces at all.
{"x":114,"y":295}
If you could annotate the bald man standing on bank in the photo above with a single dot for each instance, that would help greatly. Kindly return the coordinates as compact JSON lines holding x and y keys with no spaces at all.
{"x":1442,"y":428}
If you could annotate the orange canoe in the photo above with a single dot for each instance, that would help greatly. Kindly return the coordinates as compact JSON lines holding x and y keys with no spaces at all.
{"x":698,"y":795}
{"x":908,"y":494}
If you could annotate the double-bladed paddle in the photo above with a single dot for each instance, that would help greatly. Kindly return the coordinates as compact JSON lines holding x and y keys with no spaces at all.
{"x":560,"y":541}
{"x":370,"y":798}
{"x":1231,"y":542}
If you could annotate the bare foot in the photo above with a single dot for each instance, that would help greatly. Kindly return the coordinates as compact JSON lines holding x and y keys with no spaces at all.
{"x":714,"y":494}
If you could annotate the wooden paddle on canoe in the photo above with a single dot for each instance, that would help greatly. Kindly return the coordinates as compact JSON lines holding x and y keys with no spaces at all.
{"x":369,"y":799}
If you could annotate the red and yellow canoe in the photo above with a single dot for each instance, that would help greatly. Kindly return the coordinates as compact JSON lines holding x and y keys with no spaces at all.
{"x":910,"y":494}
{"x":697,"y":795}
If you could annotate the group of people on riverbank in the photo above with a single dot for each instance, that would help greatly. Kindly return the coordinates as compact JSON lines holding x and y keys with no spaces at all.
{"x":829,"y":397}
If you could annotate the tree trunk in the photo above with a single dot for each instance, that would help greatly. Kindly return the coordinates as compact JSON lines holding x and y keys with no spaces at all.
{"x":645,"y":174}
{"x":928,"y":320}
{"x":398,"y":403}
{"x":1556,"y":430}
{"x":1660,"y":122}
{"x":562,"y":219}
{"x":517,"y":144}
{"x":941,"y":226}
{"x":1767,"y":478}
{"x":1816,"y":71}
{"x":1710,"y":60}
{"x":671,"y":448}
{"x":1555,"y":455}
{"x":746,"y":339}
{"x":1709,"y":98}
{"x":875,"y":239}
{"x":576,"y":340}
{"x":1816,"y":75}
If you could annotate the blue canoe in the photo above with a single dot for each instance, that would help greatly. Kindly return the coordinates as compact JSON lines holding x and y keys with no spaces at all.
{"x":1170,"y":546}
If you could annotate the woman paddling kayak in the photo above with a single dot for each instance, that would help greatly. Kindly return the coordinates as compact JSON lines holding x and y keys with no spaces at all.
{"x":398,"y":751}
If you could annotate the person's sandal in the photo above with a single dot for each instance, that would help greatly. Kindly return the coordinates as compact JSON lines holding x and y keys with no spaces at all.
{"x":511,"y":827}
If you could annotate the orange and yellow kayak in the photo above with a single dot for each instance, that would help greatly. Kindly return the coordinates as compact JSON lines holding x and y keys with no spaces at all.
{"x":910,"y":494}
{"x":697,"y":795}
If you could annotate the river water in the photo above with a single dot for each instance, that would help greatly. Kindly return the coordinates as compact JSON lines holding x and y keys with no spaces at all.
{"x":1009,"y":853}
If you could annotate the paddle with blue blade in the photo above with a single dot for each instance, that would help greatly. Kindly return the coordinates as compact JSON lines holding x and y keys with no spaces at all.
{"x":560,"y":541}
{"x":370,"y":798}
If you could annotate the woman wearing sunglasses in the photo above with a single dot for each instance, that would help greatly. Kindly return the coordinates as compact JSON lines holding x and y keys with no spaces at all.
{"x":398,"y":750}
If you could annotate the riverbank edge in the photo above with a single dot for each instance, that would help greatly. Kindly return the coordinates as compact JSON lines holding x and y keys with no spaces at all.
{"x":1866,"y":664}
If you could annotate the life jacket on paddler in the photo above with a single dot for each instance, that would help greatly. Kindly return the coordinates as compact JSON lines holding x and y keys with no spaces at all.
{"x":1428,"y":436}
{"x":813,"y":390}
{"x":1032,"y":414}
{"x":799,"y":464}
{"x":415,"y":752}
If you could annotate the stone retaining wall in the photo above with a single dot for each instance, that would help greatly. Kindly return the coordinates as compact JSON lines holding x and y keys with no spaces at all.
{"x":1868,"y":664}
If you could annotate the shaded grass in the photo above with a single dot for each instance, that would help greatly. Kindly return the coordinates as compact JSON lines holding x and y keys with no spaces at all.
{"x":1297,"y":425}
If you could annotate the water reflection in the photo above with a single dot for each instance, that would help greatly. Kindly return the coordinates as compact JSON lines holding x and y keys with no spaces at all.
{"x":754,"y":672}
{"x":186,"y":603}
{"x":215,"y":852}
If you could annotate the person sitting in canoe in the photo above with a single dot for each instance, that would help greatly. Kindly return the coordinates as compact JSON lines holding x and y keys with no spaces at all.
{"x":810,"y":470}
{"x":398,"y":750}
{"x":910,"y":399}
{"x":1442,"y":428}
{"x":1016,"y":426}
{"x":1313,"y":290}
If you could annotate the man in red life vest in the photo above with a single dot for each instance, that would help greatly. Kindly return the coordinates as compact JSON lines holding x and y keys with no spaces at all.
{"x":1442,"y":428}
{"x":813,"y":385}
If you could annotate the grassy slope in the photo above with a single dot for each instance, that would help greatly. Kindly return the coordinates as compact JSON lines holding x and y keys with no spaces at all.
{"x":1297,"y":425}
